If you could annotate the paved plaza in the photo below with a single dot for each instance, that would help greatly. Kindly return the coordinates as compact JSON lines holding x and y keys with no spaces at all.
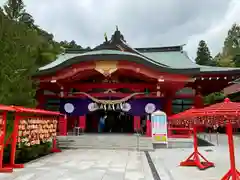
{"x":86,"y":165}
{"x":167,"y":163}
{"x":125,"y":165}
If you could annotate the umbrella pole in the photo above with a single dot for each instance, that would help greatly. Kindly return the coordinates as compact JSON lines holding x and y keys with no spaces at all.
{"x":194,"y":158}
{"x":233,"y":172}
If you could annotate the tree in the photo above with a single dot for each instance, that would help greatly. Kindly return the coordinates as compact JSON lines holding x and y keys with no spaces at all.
{"x":232,"y":41}
{"x":18,"y":47}
{"x":203,"y":54}
{"x":72,"y":45}
{"x":230,"y":55}
{"x":23,"y":48}
{"x":27,"y":19}
{"x":214,"y":98}
{"x":232,"y":44}
{"x":14,"y":9}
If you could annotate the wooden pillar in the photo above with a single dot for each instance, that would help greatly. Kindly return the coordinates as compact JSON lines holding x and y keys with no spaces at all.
{"x":40,"y":99}
{"x":136,"y":123}
{"x":82,"y":122}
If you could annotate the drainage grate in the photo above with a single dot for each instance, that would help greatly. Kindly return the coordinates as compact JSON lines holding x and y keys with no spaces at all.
{"x":152,"y":167}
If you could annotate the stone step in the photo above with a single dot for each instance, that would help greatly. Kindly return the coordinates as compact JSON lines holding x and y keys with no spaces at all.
{"x":98,"y":146}
{"x":110,"y":148}
{"x":133,"y":144}
{"x":106,"y":142}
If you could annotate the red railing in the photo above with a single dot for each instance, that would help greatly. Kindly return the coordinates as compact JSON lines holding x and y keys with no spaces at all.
{"x":179,"y":132}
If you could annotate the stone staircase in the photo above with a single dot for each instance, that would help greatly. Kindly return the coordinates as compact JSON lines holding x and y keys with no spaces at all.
{"x":106,"y":141}
{"x":175,"y":143}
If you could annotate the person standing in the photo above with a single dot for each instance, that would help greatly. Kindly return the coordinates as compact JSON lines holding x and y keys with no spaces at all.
{"x":101,"y":124}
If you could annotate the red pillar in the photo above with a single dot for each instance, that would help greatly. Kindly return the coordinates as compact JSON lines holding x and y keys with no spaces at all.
{"x":198,"y":101}
{"x":40,"y":99}
{"x":148,"y":128}
{"x":62,"y":125}
{"x":82,"y":122}
{"x":136,"y":123}
{"x":168,"y":106}
{"x":14,"y":143}
{"x":2,"y":138}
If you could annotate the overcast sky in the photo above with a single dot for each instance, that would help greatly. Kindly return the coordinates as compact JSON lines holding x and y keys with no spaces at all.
{"x":144,"y":23}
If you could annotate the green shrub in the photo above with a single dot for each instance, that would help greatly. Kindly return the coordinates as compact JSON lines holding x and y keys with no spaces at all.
{"x":27,"y":154}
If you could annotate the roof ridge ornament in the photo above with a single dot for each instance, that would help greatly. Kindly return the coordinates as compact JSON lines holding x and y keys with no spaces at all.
{"x":227,"y":100}
{"x":117,"y":37}
{"x":105,"y":37}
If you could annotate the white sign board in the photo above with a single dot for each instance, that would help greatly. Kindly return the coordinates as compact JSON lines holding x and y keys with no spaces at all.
{"x":159,"y":127}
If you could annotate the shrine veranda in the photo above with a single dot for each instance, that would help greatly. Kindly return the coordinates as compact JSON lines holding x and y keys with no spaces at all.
{"x":114,"y":77}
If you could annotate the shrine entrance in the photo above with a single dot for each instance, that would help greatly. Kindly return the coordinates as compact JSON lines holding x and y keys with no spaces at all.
{"x":115,"y":122}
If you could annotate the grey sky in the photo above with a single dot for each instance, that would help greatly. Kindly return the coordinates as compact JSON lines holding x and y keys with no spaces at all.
{"x":143,"y":22}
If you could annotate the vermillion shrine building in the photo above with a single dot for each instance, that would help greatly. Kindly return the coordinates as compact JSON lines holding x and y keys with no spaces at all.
{"x":125,"y":84}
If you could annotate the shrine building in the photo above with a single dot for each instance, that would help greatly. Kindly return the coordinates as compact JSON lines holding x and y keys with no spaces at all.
{"x":125,"y":84}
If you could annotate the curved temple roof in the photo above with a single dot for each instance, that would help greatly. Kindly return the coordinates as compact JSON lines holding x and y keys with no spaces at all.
{"x":167,"y":59}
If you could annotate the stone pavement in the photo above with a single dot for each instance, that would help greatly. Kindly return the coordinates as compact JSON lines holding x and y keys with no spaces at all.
{"x":86,"y":165}
{"x":126,"y":165}
{"x":167,"y":163}
{"x":218,"y":139}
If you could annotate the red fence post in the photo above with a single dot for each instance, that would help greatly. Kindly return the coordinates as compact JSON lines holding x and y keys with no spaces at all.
{"x":62,"y":124}
{"x":2,"y":137}
{"x":136,"y":123}
{"x":194,"y":158}
{"x":82,"y":122}
{"x":148,"y":128}
{"x":233,"y":172}
{"x":14,"y":143}
{"x":54,"y":146}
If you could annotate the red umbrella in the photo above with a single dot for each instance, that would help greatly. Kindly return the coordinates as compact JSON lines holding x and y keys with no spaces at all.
{"x":228,"y":113}
{"x":212,"y":115}
{"x":194,"y":158}
{"x":179,"y":119}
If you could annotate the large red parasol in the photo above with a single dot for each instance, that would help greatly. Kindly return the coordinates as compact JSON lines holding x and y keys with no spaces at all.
{"x":195,"y":158}
{"x":179,"y":119}
{"x":227,"y":113}
{"x":213,"y":115}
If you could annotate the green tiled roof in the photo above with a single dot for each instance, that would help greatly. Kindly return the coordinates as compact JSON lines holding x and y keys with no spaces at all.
{"x":65,"y":60}
{"x":174,"y":59}
{"x":166,"y":61}
{"x":236,"y":81}
{"x":65,"y":57}
{"x":212,"y":69}
{"x":180,"y":59}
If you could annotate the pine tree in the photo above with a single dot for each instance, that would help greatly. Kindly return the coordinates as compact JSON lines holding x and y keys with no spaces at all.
{"x":14,"y":9}
{"x":232,"y":44}
{"x":203,"y":54}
